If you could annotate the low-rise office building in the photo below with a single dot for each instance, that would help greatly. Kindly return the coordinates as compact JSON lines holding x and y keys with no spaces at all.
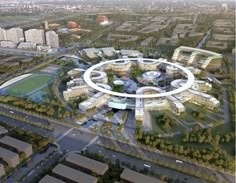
{"x":108,"y":51}
{"x":91,"y":52}
{"x":27,"y":46}
{"x":75,"y":92}
{"x":95,"y":101}
{"x":74,"y":175}
{"x":199,"y":58}
{"x":11,"y":158}
{"x":3,"y":130}
{"x":87,"y":164}
{"x":130,"y":53}
{"x":18,"y":145}
{"x":131,"y":176}
{"x":120,"y":66}
{"x":8,"y":44}
{"x":50,"y":179}
{"x":148,"y":65}
{"x":2,"y":170}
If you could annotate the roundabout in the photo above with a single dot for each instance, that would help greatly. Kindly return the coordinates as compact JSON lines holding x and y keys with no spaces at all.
{"x":189,"y":76}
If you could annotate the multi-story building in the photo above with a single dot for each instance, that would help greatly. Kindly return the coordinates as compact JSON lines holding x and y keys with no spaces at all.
{"x":148,"y":65}
{"x":27,"y":46}
{"x":3,"y":130}
{"x":195,"y":95}
{"x":15,"y":35}
{"x":71,"y":174}
{"x":91,"y":52}
{"x":130,"y":53}
{"x":50,"y":179}
{"x":120,"y":66}
{"x":8,"y":44}
{"x":95,"y":101}
{"x":52,"y":39}
{"x":11,"y":158}
{"x":35,"y":36}
{"x":199,"y":58}
{"x":3,"y":34}
{"x":75,"y":92}
{"x":43,"y":48}
{"x":108,"y":51}
{"x":2,"y":170}
{"x":136,"y":177}
{"x":18,"y":145}
{"x":87,"y":164}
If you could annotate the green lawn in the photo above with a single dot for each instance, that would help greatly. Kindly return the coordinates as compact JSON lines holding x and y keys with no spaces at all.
{"x":158,"y":128}
{"x":28,"y":85}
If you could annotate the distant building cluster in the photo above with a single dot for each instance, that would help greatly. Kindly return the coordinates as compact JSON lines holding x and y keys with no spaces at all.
{"x":102,"y":19}
{"x":32,"y":39}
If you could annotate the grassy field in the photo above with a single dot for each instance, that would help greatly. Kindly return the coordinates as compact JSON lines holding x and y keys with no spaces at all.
{"x":158,"y":128}
{"x":28,"y":85}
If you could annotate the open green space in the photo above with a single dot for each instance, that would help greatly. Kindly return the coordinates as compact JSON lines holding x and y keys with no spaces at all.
{"x":164,"y":125}
{"x":28,"y":85}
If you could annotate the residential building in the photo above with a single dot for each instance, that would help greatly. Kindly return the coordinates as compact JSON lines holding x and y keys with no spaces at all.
{"x":52,"y":39}
{"x":3,"y":34}
{"x":15,"y":35}
{"x":35,"y":36}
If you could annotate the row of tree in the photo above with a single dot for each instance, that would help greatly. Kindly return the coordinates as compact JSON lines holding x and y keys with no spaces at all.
{"x":214,"y":157}
{"x":50,"y":109}
{"x":206,"y":136}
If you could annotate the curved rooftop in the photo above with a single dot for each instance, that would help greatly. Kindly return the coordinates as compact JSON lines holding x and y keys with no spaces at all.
{"x":186,"y":86}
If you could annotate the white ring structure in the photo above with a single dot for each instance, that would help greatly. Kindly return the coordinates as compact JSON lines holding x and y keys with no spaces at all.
{"x":187,"y":85}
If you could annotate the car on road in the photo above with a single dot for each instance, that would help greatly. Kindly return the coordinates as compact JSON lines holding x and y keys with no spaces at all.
{"x":145,"y":165}
{"x":178,"y":161}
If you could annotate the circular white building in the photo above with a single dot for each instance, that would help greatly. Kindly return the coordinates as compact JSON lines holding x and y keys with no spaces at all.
{"x":151,"y":75}
{"x":172,"y":70}
{"x":118,"y":82}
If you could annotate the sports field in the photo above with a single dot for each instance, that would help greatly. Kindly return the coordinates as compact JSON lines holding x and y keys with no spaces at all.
{"x":28,"y":85}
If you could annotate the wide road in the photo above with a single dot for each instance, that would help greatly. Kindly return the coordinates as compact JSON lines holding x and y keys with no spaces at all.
{"x":139,"y":164}
{"x":158,"y":155}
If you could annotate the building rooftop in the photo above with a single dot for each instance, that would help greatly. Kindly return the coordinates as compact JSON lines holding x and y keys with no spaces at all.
{"x":3,"y":130}
{"x":74,"y":175}
{"x":136,"y":177}
{"x":93,"y":165}
{"x":6,"y":154}
{"x":18,"y":144}
{"x":90,"y":50}
{"x":108,"y":49}
{"x":50,"y":179}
